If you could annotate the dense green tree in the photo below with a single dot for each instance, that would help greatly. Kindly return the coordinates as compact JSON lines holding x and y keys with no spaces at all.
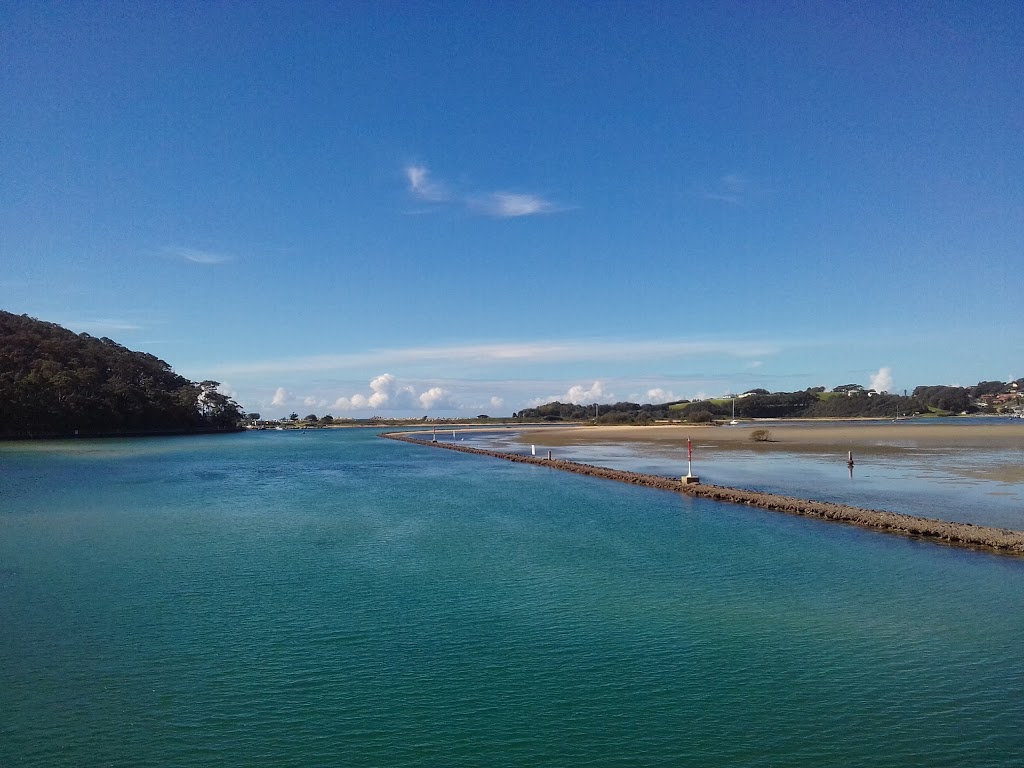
{"x":813,"y":402}
{"x":56,"y":382}
{"x":988,"y":388}
{"x":944,"y":398}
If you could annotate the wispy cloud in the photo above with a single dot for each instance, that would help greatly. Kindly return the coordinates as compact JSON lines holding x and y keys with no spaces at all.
{"x":510,"y":205}
{"x":422,"y":187}
{"x":102,"y":325}
{"x":518,"y":353}
{"x":732,"y":189}
{"x":197,"y":256}
{"x":498,"y":204}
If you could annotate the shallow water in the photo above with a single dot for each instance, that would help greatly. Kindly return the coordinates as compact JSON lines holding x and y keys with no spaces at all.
{"x":327,"y":597}
{"x":958,"y":485}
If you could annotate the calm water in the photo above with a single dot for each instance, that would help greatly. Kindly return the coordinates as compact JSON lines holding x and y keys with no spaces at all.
{"x":940,"y":483}
{"x":330,"y":598}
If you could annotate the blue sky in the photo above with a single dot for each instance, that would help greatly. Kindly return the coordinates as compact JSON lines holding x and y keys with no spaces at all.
{"x":462,"y":208}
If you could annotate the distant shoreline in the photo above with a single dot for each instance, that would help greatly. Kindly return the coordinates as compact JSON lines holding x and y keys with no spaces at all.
{"x":965,"y":535}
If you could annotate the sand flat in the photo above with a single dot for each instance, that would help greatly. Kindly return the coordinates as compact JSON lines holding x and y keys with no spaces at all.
{"x":794,"y":436}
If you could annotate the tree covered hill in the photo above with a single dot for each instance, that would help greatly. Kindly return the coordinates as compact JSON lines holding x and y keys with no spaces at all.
{"x":55,"y":382}
{"x":846,"y":401}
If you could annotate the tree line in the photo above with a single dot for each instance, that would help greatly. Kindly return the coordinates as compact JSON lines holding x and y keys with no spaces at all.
{"x":616,"y":413}
{"x":54,"y":382}
{"x":845,"y":401}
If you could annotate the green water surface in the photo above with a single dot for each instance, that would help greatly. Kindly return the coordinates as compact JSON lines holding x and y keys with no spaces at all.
{"x":330,"y":598}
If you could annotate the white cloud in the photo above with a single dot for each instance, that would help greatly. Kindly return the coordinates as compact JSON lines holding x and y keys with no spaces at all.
{"x":579,"y":395}
{"x":659,"y":395}
{"x":350,"y":403}
{"x":422,"y":187}
{"x":198,"y":257}
{"x":281,"y":397}
{"x":437,"y":398}
{"x":509,"y":205}
{"x":882,"y":381}
{"x":502,"y":205}
{"x":387,"y":394}
{"x":497,"y":402}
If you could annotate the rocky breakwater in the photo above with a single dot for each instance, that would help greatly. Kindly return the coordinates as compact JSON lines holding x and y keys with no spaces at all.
{"x":997,"y":540}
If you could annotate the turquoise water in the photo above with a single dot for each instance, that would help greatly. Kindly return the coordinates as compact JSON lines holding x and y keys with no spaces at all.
{"x":330,"y":598}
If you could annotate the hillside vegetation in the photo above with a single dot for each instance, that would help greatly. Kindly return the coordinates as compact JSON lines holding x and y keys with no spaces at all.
{"x":846,"y":401}
{"x":55,"y":382}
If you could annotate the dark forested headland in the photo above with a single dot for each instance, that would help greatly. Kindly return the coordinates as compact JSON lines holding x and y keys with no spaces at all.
{"x":54,"y":382}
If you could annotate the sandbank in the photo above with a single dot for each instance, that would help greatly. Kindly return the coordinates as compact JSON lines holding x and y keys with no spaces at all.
{"x":864,"y":439}
{"x":793,"y":436}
